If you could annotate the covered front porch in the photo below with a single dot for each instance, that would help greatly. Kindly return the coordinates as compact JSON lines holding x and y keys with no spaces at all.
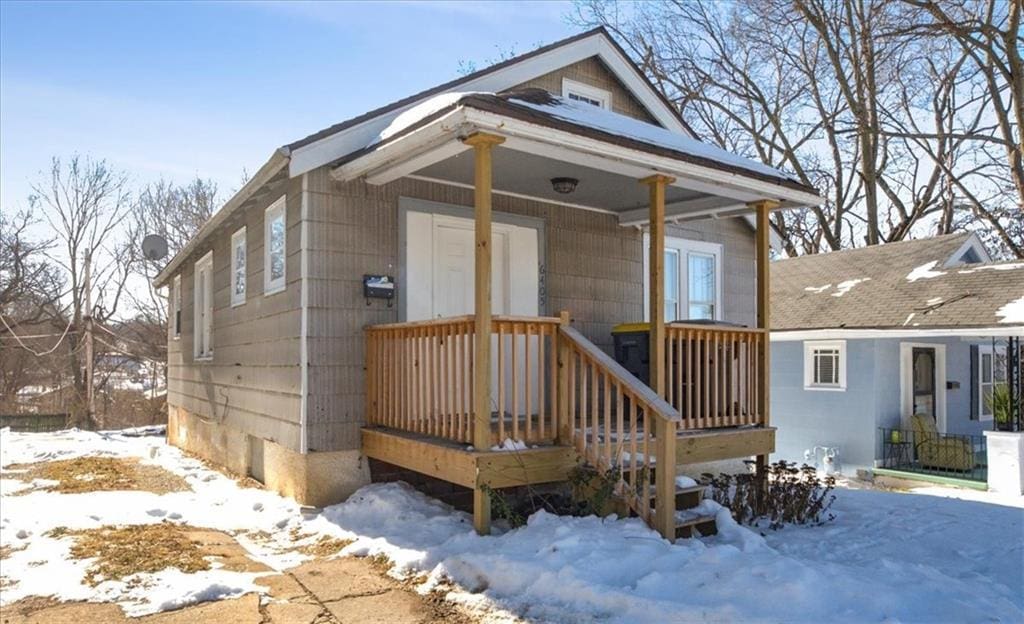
{"x":548,"y":399}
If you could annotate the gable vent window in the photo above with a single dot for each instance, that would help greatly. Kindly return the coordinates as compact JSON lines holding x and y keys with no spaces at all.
{"x":580,"y":92}
{"x":825,"y":365}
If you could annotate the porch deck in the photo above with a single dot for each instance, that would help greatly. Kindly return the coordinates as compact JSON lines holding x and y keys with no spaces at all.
{"x":562,"y":402}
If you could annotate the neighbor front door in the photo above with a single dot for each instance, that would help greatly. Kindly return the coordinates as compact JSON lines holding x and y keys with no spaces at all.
{"x":923,"y":377}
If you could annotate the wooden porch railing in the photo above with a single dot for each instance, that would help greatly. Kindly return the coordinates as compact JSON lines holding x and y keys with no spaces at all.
{"x":712,"y":375}
{"x":420,"y":377}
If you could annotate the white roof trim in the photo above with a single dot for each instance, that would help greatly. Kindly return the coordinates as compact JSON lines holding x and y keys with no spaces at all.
{"x":853,"y":334}
{"x":337,"y":145}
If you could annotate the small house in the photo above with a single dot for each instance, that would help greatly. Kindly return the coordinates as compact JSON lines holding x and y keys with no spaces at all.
{"x":431,"y":286}
{"x":897,"y":357}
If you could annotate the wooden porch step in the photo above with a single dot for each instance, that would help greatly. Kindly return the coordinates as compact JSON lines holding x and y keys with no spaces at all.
{"x":704,"y":525}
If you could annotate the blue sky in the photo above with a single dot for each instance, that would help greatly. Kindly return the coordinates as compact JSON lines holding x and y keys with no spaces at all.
{"x":178,"y":89}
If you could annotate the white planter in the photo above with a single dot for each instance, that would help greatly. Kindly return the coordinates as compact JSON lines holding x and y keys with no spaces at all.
{"x":1005,"y":461}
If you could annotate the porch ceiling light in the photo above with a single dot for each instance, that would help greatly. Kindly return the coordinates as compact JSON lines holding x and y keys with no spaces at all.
{"x":564,"y":185}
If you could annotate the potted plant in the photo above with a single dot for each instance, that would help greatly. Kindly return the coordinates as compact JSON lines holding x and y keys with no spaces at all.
{"x":999,"y":404}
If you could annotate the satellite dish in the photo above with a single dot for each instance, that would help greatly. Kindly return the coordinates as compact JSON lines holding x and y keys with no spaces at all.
{"x":154,"y":247}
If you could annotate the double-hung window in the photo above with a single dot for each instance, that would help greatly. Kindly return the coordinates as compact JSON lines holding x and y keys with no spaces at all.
{"x":991,"y":373}
{"x":693,"y":279}
{"x":825,"y":365}
{"x":203,"y":307}
{"x":176,"y":307}
{"x":238,"y":262}
{"x":274,"y":248}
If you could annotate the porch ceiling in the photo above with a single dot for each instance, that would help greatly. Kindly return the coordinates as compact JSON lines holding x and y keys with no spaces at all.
{"x":530,"y":175}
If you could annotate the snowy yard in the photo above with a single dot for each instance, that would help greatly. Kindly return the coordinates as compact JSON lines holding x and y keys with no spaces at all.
{"x":917,"y":557}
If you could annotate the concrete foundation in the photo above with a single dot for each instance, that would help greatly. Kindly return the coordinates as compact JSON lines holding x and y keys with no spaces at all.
{"x":315,"y":478}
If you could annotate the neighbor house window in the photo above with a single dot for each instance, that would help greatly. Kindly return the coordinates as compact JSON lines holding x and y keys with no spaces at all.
{"x":176,"y":307}
{"x":238,"y":267}
{"x":991,"y":371}
{"x":203,"y":307}
{"x":274,"y":248}
{"x":585,"y":93}
{"x":825,"y":365}
{"x":693,"y":279}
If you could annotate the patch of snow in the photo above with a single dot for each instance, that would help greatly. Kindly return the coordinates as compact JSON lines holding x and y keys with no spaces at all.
{"x":818,"y":289}
{"x":933,"y":301}
{"x":925,"y":271}
{"x":510,"y":445}
{"x":684,"y":481}
{"x":910,"y":317}
{"x":622,"y":125}
{"x":846,"y":286}
{"x":1012,"y":312}
{"x":1006,"y":266}
{"x":417,"y":113}
{"x":887,"y":557}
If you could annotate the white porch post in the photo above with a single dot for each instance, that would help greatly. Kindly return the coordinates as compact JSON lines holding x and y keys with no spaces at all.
{"x":482,"y":144}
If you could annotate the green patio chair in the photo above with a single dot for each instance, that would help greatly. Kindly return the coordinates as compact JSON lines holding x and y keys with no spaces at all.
{"x":936,"y":450}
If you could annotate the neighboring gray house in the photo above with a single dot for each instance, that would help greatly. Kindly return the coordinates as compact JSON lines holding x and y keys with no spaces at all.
{"x":324,"y":321}
{"x":864,"y":339}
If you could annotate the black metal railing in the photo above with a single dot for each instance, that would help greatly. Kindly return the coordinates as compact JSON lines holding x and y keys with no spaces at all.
{"x":937,"y":454}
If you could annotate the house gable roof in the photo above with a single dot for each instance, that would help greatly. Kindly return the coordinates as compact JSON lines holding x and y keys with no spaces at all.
{"x":909,"y":285}
{"x":336,"y":141}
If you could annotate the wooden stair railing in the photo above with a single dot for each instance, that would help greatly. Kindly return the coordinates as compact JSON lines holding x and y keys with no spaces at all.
{"x":621,"y":426}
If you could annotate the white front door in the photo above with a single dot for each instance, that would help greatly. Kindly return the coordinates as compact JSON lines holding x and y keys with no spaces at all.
{"x":440,"y":266}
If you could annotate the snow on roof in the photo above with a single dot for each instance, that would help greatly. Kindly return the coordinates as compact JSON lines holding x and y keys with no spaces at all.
{"x":598,"y":118}
{"x":1012,"y":312}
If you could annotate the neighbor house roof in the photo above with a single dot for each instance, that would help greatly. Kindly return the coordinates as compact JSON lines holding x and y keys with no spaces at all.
{"x":911,"y":285}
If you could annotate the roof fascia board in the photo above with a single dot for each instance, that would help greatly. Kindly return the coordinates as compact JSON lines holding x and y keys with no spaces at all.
{"x":269,"y":169}
{"x":852,"y":334}
{"x":331,"y":148}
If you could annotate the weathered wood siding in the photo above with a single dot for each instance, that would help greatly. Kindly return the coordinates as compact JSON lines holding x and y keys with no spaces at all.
{"x":594,"y":269}
{"x":592,"y":72}
{"x":253,"y":383}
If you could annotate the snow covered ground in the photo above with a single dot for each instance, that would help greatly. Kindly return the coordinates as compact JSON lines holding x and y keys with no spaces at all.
{"x":919,"y":557}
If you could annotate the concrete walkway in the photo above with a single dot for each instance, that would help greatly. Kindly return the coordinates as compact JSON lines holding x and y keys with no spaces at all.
{"x":332,"y":591}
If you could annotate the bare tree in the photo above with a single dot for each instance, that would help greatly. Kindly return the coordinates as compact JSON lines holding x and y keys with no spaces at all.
{"x":85,"y":201}
{"x":831,"y":90}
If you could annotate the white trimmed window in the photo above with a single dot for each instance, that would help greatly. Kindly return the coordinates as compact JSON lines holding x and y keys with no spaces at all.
{"x":238,"y":267}
{"x":991,"y":370}
{"x":693,"y":279}
{"x":203,"y":307}
{"x":825,"y":365}
{"x":274,"y":248}
{"x":587,"y":94}
{"x":176,"y":307}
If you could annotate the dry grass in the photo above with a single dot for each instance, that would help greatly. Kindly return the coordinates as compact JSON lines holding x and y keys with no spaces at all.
{"x":120,"y":552}
{"x":7,"y":551}
{"x":325,"y":547}
{"x":99,"y":474}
